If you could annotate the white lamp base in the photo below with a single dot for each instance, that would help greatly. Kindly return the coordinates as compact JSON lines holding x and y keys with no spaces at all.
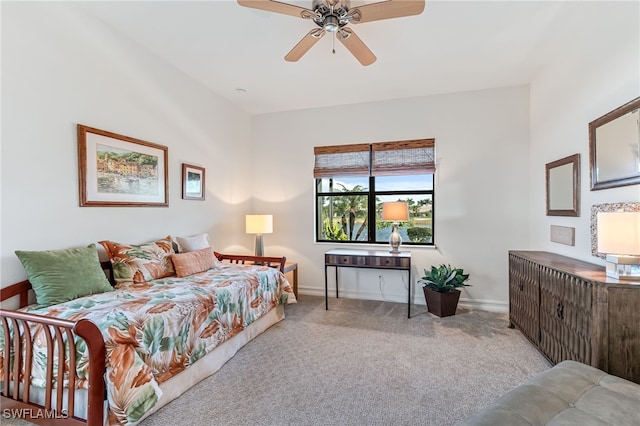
{"x":395,"y":240}
{"x":623,"y":267}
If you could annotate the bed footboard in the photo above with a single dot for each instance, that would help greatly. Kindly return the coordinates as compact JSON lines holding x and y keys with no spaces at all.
{"x":19,"y":330}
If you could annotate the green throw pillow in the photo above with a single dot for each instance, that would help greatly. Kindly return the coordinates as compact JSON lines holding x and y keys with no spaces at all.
{"x":58,"y":276}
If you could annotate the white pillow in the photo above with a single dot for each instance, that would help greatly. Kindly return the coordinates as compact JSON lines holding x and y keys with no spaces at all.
{"x":193,"y":243}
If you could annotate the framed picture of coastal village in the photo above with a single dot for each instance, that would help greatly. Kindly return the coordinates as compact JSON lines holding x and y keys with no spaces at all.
{"x":119,"y":171}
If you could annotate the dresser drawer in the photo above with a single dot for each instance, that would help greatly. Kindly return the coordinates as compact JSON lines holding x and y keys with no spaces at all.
{"x":565,"y":316}
{"x":524,"y":296}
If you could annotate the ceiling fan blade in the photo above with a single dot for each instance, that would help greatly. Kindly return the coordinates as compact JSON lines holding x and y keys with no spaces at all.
{"x":278,"y":7}
{"x":386,"y":10}
{"x":356,"y":46}
{"x":305,"y":44}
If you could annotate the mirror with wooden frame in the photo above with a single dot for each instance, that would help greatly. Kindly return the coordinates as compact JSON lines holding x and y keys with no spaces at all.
{"x":563,"y":186}
{"x":614,"y":147}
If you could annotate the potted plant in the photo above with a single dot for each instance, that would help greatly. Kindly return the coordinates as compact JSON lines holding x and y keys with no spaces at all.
{"x":440,"y":286}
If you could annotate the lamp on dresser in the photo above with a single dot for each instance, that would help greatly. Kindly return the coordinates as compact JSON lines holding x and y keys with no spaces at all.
{"x":397,"y":211}
{"x":619,"y":238}
{"x":259,"y":224}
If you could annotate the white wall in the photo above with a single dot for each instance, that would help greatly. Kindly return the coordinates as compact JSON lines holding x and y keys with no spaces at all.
{"x":490,"y":187}
{"x":60,"y":68}
{"x":481,"y":195}
{"x":578,"y":88}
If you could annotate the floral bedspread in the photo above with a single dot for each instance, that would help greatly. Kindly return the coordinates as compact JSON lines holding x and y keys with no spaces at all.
{"x":156,"y":329}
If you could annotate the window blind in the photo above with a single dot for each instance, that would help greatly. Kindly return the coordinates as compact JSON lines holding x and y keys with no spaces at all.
{"x":342,"y":160}
{"x":377,"y":159}
{"x":403,"y":157}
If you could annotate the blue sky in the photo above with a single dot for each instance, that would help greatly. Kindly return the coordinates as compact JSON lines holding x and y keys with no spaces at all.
{"x":384,"y":183}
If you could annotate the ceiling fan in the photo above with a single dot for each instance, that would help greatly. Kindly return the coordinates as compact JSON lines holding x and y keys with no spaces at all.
{"x":333,"y":16}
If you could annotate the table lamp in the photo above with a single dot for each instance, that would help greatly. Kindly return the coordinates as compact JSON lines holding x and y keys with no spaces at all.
{"x":396,"y":211}
{"x":619,"y":238}
{"x":259,"y":224}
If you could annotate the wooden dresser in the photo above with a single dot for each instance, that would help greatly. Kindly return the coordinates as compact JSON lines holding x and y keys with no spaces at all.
{"x":569,"y":309}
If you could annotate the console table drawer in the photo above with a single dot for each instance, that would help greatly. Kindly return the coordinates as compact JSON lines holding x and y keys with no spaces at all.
{"x":390,"y":262}
{"x":345,"y":260}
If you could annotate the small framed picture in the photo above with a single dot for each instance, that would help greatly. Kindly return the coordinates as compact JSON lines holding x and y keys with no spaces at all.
{"x":192,"y":182}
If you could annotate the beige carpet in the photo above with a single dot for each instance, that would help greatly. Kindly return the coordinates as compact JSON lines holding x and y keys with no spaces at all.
{"x":362,"y":363}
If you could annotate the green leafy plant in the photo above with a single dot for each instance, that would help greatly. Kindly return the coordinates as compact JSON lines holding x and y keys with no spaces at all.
{"x":333,"y":231}
{"x":444,"y":278}
{"x":419,"y":234}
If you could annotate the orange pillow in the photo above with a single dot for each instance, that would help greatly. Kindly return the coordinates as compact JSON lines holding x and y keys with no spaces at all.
{"x":192,"y":262}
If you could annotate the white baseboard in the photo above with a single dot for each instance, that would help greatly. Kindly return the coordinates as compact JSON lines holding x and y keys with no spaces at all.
{"x":485,"y":305}
{"x":418,"y":299}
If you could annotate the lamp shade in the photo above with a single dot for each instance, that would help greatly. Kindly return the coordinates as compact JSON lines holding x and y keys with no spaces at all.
{"x":619,"y":233}
{"x":395,"y":211}
{"x":259,"y":224}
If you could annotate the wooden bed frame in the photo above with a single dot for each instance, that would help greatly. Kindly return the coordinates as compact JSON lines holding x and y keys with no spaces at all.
{"x":16,"y":398}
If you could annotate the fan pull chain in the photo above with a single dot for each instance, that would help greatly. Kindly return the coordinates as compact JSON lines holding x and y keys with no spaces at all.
{"x":334,"y":43}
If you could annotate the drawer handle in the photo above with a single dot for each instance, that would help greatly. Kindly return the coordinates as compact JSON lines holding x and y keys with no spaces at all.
{"x":520,"y":286}
{"x":560,"y":310}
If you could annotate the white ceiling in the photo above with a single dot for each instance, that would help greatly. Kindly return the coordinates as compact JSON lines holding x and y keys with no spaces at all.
{"x":452,"y":46}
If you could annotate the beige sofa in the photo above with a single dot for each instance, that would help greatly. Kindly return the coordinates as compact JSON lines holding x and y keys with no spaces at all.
{"x":570,"y":393}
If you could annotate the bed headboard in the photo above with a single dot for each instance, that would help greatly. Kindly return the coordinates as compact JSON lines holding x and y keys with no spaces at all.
{"x":107,"y":267}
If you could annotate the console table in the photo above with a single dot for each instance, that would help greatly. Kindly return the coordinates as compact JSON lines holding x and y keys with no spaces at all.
{"x":339,"y":258}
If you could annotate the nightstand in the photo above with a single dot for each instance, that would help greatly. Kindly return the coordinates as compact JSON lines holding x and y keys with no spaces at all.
{"x":292,"y":267}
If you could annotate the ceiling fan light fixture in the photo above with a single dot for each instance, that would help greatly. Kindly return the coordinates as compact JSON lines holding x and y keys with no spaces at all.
{"x":333,"y":16}
{"x":331,"y":24}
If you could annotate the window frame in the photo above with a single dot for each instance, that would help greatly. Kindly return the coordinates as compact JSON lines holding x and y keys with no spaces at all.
{"x":415,"y":157}
{"x":372,"y":195}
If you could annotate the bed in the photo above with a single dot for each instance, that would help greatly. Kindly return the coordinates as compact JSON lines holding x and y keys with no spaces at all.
{"x":115,"y":357}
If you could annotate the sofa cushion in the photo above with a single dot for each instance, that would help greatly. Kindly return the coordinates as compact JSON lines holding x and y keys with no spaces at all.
{"x":571,"y":393}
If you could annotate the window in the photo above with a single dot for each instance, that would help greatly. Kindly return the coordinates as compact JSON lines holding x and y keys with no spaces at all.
{"x":352,"y":182}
